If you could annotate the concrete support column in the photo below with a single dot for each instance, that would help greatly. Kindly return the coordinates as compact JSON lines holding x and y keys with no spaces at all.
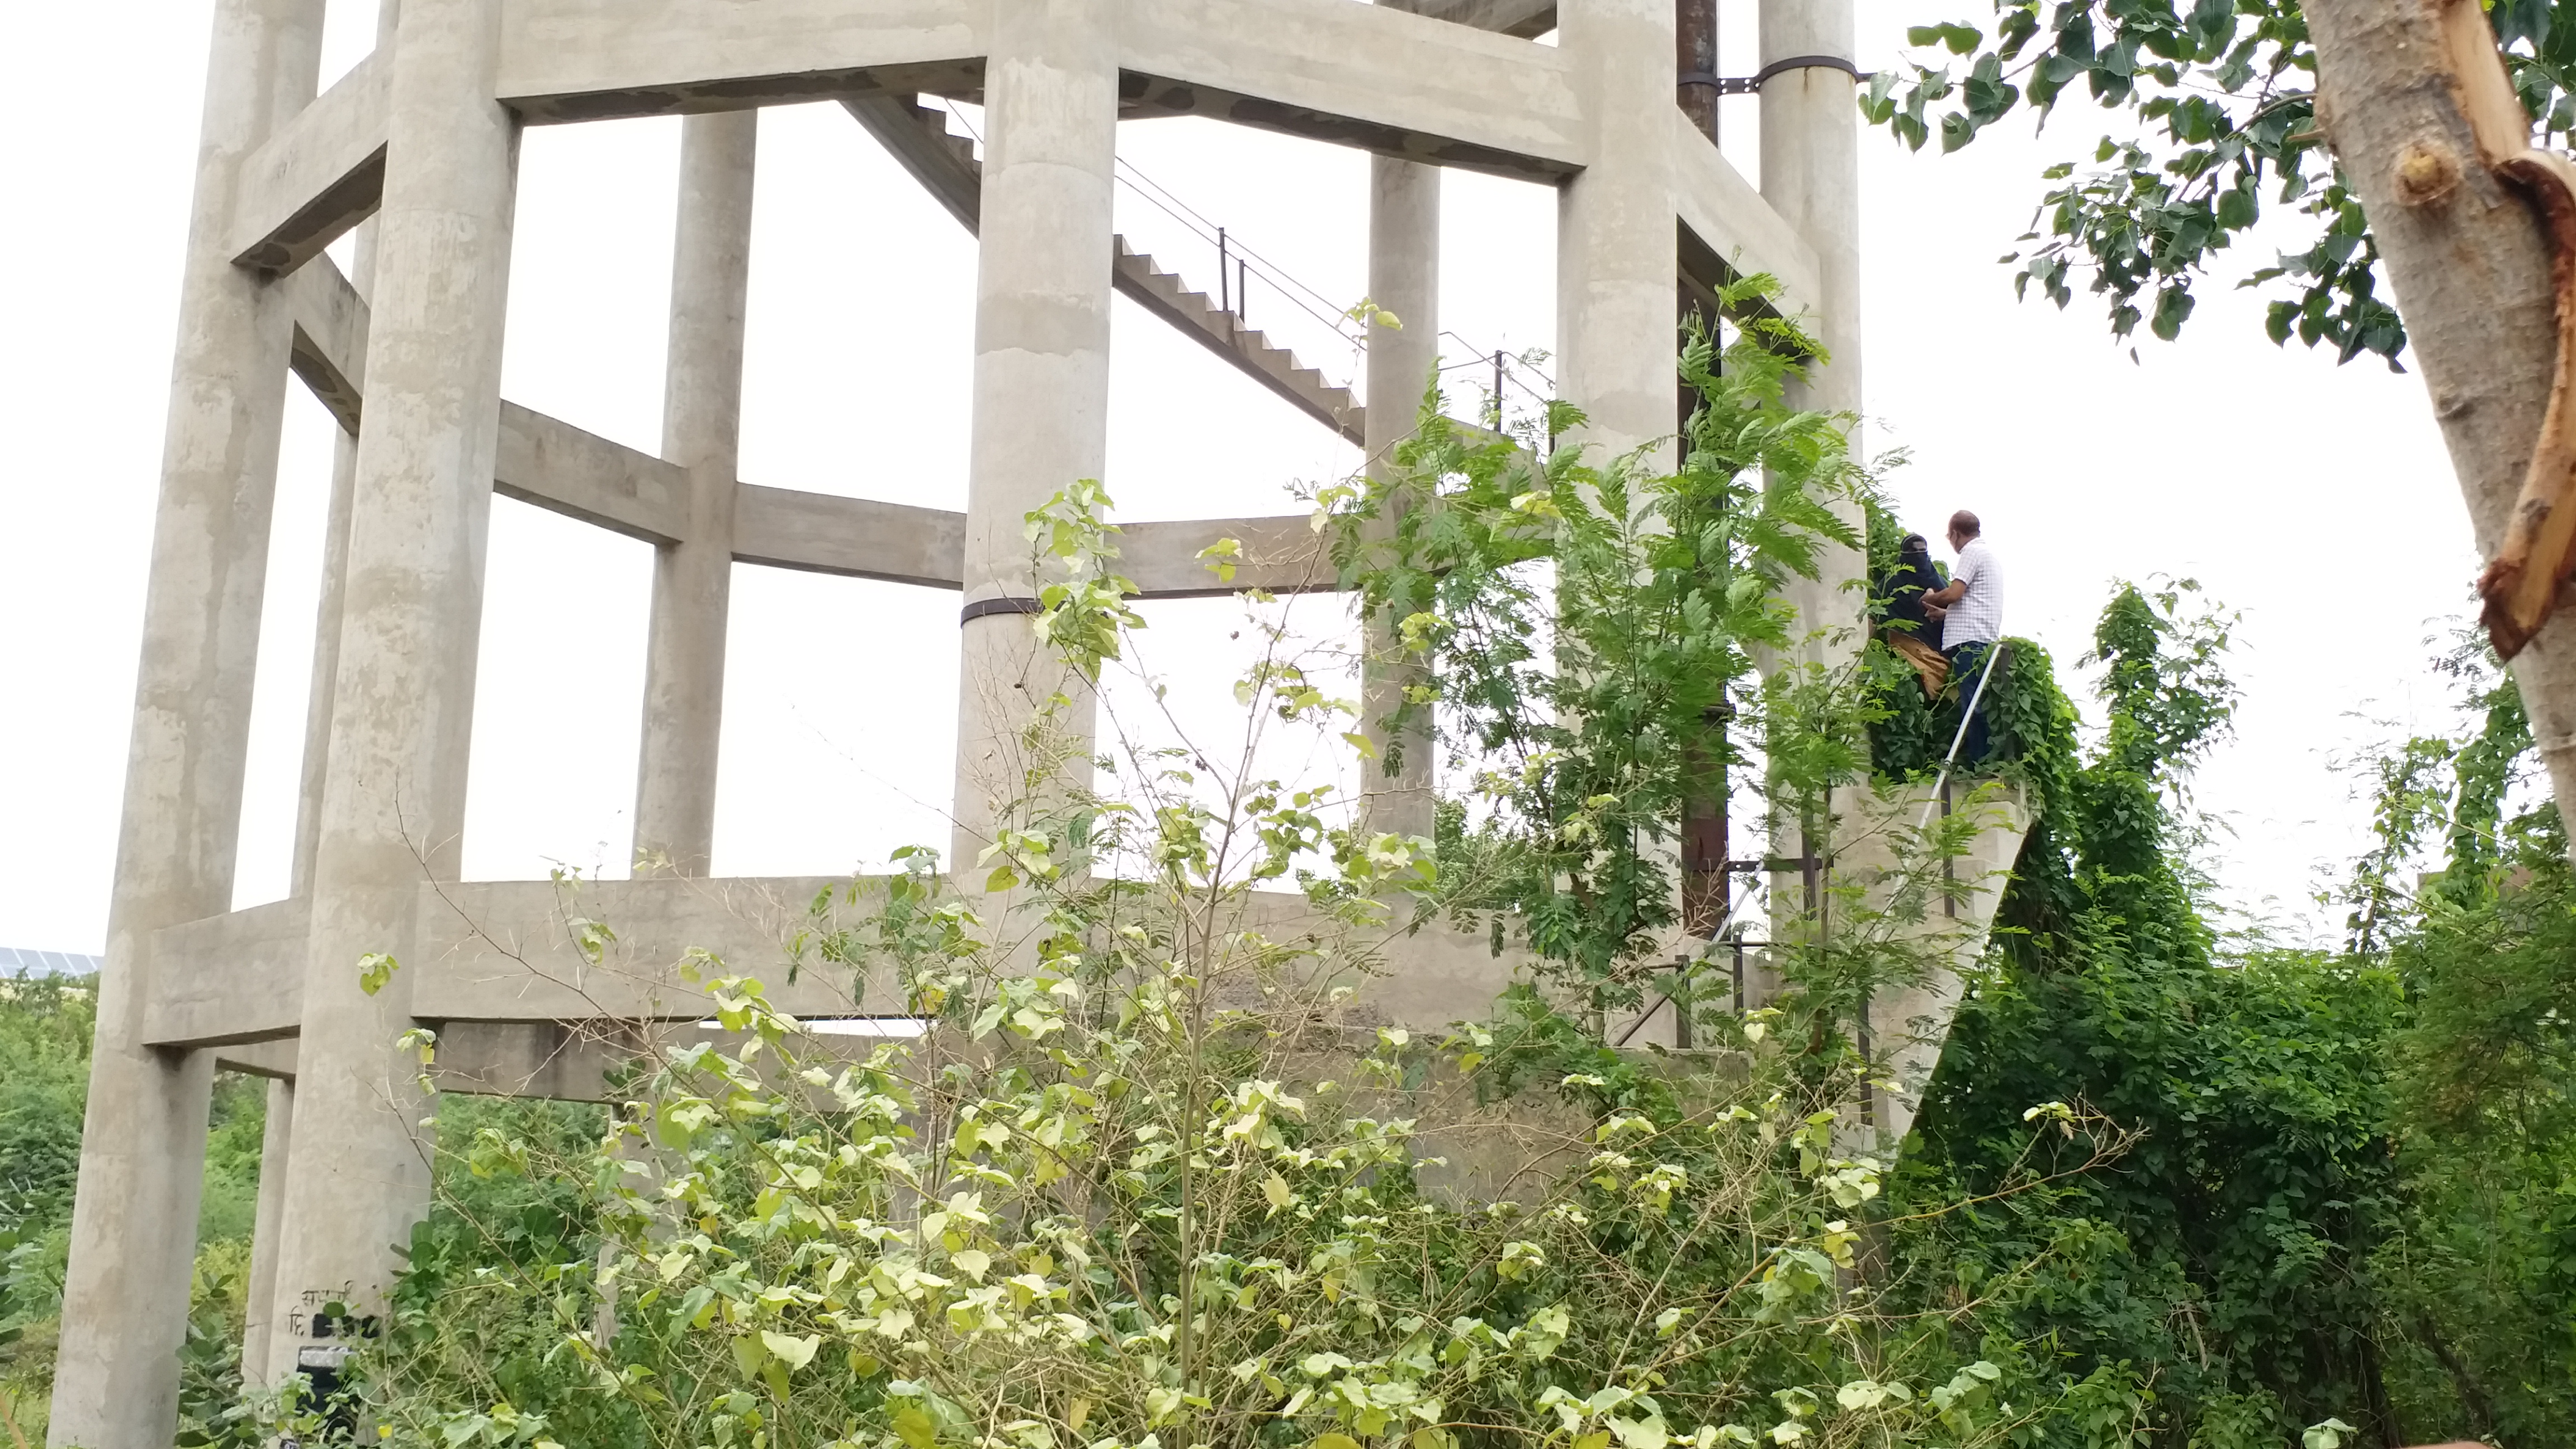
{"x":261,"y":1297}
{"x":134,"y":1220}
{"x":675,"y":788}
{"x":335,"y":560}
{"x":1695,"y":58}
{"x":1041,"y":378}
{"x":403,"y":694}
{"x":1811,"y":176}
{"x":1404,"y":278}
{"x":1615,"y":261}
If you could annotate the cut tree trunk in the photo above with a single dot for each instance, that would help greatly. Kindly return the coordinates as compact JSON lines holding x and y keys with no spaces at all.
{"x":2469,"y":262}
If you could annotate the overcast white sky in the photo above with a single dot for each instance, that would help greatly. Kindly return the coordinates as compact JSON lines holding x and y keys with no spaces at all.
{"x":2316,"y":499}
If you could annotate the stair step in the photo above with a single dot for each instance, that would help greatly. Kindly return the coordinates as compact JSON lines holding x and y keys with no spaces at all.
{"x":1138,"y":274}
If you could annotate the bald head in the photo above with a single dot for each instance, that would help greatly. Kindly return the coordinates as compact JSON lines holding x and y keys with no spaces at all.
{"x":1964,"y":524}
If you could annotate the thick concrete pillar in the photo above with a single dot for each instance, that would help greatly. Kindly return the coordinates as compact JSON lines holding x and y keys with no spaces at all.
{"x":260,"y":1306}
{"x":675,"y":788}
{"x":125,"y":1292}
{"x":1041,"y":378}
{"x":1811,"y":176}
{"x":403,"y":695}
{"x":335,"y":562}
{"x":1404,"y":278}
{"x":326,"y":620}
{"x":1615,"y":262}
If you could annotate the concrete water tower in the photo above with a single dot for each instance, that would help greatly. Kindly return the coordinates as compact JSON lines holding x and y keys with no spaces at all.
{"x":416,"y":150}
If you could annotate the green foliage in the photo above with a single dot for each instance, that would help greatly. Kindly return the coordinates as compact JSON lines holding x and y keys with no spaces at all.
{"x":45,"y":1028}
{"x":44,"y":1080}
{"x":2478,"y":1267}
{"x":2223,"y":1269}
{"x":2219,"y":96}
{"x":1155,"y":1176}
{"x":1591,"y":627}
{"x":1152,"y":1177}
{"x":2348,"y":1199}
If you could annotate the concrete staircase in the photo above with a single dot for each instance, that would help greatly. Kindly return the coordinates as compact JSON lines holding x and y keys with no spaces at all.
{"x":918,"y":138}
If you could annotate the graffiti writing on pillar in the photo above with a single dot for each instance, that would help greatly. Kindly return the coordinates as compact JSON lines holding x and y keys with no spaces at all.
{"x":324,"y":1313}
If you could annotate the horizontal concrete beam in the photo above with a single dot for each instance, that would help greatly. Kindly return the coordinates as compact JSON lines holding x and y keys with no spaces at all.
{"x":229,"y":978}
{"x":858,"y":538}
{"x":507,"y":954}
{"x":1359,"y":75}
{"x":558,"y":467}
{"x":1728,"y":218}
{"x":865,"y":539}
{"x":587,"y":60}
{"x":508,"y":950}
{"x":552,"y":464}
{"x":542,"y":460}
{"x":330,"y":350}
{"x":320,"y":175}
{"x":1528,"y":19}
{"x":1329,"y":69}
{"x":1283,"y":555}
{"x":576,"y":1061}
{"x":259,"y":1058}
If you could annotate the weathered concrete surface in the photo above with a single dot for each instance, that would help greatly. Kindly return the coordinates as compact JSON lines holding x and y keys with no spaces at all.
{"x":144,"y":1134}
{"x":260,"y":1295}
{"x":1363,"y":75}
{"x":675,"y":794}
{"x":1730,"y":218}
{"x":862,"y":538}
{"x":402,"y":703}
{"x":330,"y":356}
{"x":1041,"y":407}
{"x":1811,"y":176}
{"x":321,"y":173}
{"x":1281,"y":553}
{"x":511,"y":950}
{"x":580,"y":60}
{"x":1615,"y":250}
{"x":675,"y":786}
{"x":1404,"y":280}
{"x":274,"y":1060}
{"x":1907,"y":1024}
{"x":558,"y":467}
{"x":234,"y":978}
{"x":1528,"y":19}
{"x":330,"y":332}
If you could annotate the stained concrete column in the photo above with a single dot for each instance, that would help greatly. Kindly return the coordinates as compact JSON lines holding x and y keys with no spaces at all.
{"x":1404,"y":278}
{"x":1615,"y":263}
{"x":335,"y":559}
{"x":134,"y":1219}
{"x":260,"y":1300}
{"x":403,"y":695}
{"x":1695,"y":58}
{"x":675,"y":788}
{"x":1041,"y":418}
{"x":1811,"y":176}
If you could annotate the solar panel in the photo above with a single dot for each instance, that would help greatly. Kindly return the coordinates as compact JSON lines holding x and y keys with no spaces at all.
{"x":22,"y":960}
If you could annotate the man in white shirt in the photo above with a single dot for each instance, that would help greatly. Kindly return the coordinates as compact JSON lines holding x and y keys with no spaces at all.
{"x":1971,"y":610}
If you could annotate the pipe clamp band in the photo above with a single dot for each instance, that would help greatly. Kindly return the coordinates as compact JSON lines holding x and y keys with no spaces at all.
{"x":987,"y":608}
{"x":1752,"y":84}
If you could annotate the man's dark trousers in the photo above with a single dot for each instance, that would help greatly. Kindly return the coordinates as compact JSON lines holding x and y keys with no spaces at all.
{"x":1967,"y":667}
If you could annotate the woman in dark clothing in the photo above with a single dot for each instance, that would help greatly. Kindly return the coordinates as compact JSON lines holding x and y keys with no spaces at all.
{"x":1913,"y":630}
{"x":1915,"y":575}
